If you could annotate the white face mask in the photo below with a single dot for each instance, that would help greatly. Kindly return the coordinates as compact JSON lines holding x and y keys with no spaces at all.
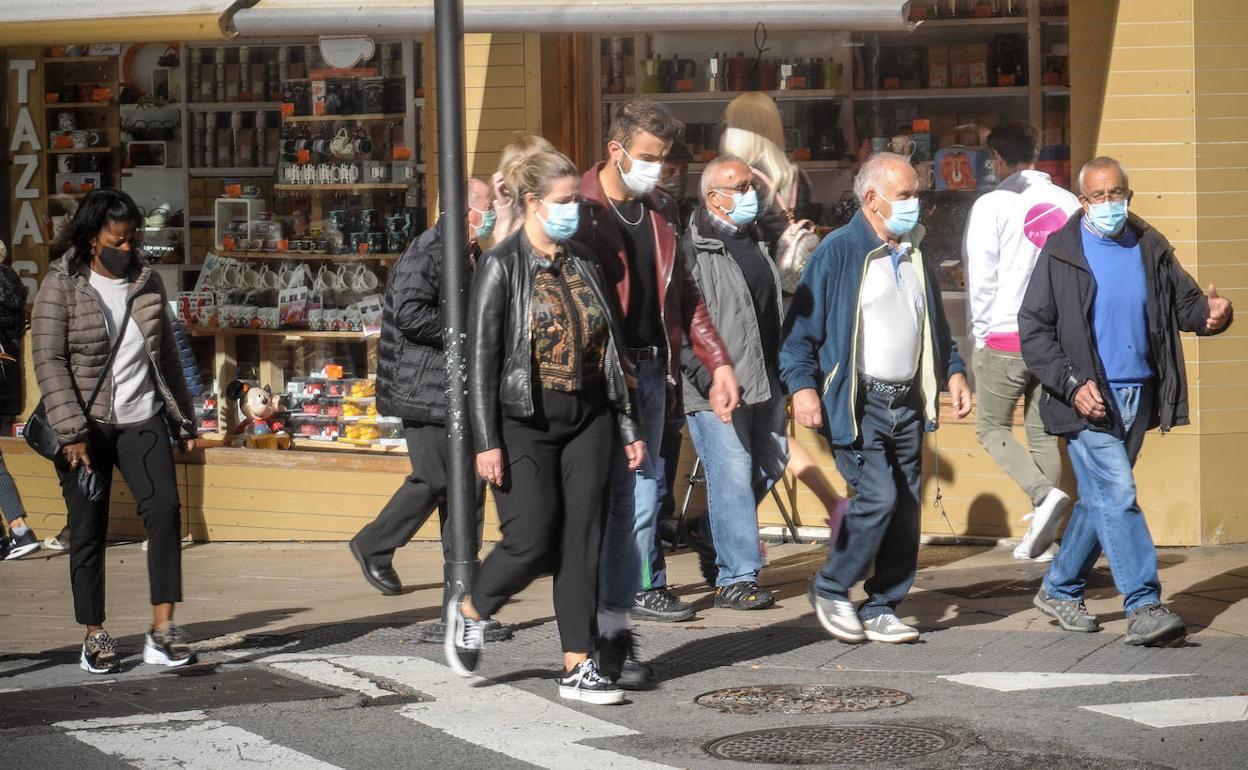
{"x":643,"y":177}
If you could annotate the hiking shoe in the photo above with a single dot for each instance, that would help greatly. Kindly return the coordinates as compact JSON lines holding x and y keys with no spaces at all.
{"x":585,"y":684}
{"x":889,"y":628}
{"x":1045,"y":520}
{"x":659,"y":604}
{"x":20,"y":545}
{"x":1155,"y":626}
{"x":60,"y":542}
{"x":99,"y":654}
{"x":464,"y":638}
{"x":838,"y":617}
{"x":743,"y":595}
{"x":1070,"y":614}
{"x":167,"y":647}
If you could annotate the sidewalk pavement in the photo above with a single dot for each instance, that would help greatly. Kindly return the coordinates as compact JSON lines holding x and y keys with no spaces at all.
{"x":237,"y":589}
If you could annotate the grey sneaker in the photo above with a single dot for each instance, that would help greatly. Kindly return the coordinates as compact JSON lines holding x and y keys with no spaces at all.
{"x":1155,"y":626}
{"x":889,"y":628}
{"x":838,"y":617}
{"x":1070,"y":614}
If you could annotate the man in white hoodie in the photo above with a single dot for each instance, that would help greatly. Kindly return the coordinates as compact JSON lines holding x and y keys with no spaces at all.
{"x":1004,"y":235}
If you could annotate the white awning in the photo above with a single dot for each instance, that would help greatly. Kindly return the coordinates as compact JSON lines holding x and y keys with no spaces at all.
{"x":279,"y":18}
{"x":47,"y":22}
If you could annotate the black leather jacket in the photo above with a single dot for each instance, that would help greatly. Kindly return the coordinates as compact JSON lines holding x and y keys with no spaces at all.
{"x":500,"y":358}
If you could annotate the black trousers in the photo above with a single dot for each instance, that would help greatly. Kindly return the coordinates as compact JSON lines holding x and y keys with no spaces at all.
{"x":412,"y":504}
{"x":552,"y":509}
{"x":144,"y":454}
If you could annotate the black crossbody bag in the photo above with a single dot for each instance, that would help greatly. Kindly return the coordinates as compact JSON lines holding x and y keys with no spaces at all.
{"x":39,"y":433}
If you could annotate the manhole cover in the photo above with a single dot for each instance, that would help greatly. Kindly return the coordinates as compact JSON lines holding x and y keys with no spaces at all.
{"x":831,"y":744}
{"x":800,"y":699}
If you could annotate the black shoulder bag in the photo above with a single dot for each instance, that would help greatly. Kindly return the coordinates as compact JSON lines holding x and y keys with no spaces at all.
{"x":39,"y":433}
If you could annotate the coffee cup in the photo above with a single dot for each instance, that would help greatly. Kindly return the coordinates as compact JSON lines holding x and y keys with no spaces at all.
{"x":83,"y":139}
{"x":249,"y":277}
{"x":364,"y":281}
{"x":250,"y":191}
{"x":879,"y":144}
{"x":66,"y":121}
{"x":324,"y":173}
{"x":349,"y":172}
{"x":66,"y":164}
{"x":902,"y":144}
{"x":926,"y":172}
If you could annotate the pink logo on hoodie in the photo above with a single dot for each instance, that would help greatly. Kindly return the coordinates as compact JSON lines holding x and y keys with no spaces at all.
{"x":1043,"y":220}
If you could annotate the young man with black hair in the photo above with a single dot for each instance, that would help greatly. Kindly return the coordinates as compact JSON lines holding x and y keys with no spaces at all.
{"x":1004,"y":235}
{"x":632,"y":227}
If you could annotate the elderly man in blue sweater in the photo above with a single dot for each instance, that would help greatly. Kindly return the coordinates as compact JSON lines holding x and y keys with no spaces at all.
{"x":865,"y":352}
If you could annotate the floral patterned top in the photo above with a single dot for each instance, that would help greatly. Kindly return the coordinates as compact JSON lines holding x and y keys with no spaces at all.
{"x":570,"y":329}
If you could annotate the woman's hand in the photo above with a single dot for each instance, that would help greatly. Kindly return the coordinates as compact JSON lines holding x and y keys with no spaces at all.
{"x":187,"y":445}
{"x":490,"y":466}
{"x":636,"y":454}
{"x":76,"y":454}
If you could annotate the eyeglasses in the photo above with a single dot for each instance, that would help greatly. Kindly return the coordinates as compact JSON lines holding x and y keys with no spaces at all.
{"x":745,"y":186}
{"x":1116,"y":195}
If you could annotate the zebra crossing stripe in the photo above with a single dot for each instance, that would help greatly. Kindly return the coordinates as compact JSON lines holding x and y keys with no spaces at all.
{"x":1179,"y":712}
{"x":1015,"y":681}
{"x":502,"y":718}
{"x":202,"y":745}
{"x":327,"y":673}
{"x":134,"y":720}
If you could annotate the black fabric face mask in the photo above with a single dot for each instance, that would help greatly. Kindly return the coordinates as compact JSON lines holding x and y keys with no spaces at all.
{"x":116,"y":261}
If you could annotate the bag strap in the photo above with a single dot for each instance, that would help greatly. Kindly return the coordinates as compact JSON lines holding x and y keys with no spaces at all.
{"x":108,"y":362}
{"x":786,"y":207}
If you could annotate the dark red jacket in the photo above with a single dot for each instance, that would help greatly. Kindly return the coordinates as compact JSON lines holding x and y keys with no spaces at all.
{"x":681,"y":306}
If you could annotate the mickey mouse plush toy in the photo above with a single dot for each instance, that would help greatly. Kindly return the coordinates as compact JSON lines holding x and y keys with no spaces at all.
{"x":257,"y":406}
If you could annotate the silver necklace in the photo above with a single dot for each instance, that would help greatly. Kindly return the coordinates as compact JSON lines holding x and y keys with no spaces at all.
{"x":611,"y":203}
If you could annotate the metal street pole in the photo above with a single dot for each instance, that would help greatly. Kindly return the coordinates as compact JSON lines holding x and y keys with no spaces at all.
{"x":461,"y":525}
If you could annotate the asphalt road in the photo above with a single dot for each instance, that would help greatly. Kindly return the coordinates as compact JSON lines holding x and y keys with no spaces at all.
{"x":368,"y":697}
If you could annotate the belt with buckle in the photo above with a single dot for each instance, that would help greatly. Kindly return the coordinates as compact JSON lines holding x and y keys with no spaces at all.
{"x":894,"y":390}
{"x":642,"y":355}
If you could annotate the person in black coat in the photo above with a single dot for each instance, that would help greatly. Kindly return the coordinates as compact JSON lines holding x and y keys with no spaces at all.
{"x":21,"y":539}
{"x":411,"y":384}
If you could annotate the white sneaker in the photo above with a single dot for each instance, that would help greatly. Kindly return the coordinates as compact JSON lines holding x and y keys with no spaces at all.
{"x":889,"y":628}
{"x":1045,"y":520}
{"x":838,"y":617}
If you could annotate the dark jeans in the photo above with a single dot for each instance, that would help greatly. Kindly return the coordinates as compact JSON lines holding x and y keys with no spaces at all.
{"x":882,"y":525}
{"x":551,"y":510}
{"x":144,"y":454}
{"x":673,"y":442}
{"x":422,"y":491}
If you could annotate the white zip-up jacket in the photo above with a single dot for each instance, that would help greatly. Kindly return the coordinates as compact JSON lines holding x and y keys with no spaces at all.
{"x":1004,"y":234}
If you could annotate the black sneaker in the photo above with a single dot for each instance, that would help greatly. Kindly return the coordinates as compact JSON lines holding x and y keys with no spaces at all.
{"x":635,"y":675}
{"x":464,"y":638}
{"x":585,"y":684}
{"x":1155,"y":626}
{"x":659,"y":604}
{"x":745,"y":595}
{"x":616,"y":658}
{"x":20,"y":545}
{"x":99,"y":653}
{"x":167,"y":647}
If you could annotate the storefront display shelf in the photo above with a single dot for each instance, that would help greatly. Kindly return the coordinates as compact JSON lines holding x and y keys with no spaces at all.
{"x":290,"y":335}
{"x":79,"y":105}
{"x":302,"y":256}
{"x":67,"y":196}
{"x":311,"y":188}
{"x":992,"y":21}
{"x":343,"y":446}
{"x":1057,"y":21}
{"x":344,"y":118}
{"x":232,"y":106}
{"x":232,"y":171}
{"x":1055,"y":90}
{"x":809,"y":94}
{"x":941,"y":93}
{"x":77,"y":59}
{"x":81,"y":151}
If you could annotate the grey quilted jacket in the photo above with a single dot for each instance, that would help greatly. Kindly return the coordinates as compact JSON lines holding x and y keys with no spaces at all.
{"x":69,"y":345}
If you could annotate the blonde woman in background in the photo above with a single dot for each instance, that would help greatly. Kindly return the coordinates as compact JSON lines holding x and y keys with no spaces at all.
{"x":509,"y":212}
{"x":754,"y":132}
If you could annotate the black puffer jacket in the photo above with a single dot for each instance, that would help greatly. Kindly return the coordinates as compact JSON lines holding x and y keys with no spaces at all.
{"x":411,"y":367}
{"x":12,"y":333}
{"x":500,"y":340}
{"x":1059,"y":343}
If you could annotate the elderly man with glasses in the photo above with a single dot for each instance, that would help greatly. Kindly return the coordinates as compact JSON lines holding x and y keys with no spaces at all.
{"x":1100,"y":328}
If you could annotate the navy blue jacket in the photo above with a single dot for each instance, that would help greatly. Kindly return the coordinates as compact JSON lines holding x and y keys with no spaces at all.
{"x":821,"y":329}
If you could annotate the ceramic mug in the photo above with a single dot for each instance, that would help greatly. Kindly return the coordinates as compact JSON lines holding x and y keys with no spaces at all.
{"x":66,"y":164}
{"x":307,"y":174}
{"x":927,"y":174}
{"x":83,"y":139}
{"x":324,"y":173}
{"x":349,"y":172}
{"x":879,"y":144}
{"x":249,"y":277}
{"x":365,"y":281}
{"x":902,"y":144}
{"x":341,"y":145}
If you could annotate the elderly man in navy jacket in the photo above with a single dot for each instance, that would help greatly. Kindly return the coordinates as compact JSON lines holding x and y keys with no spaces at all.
{"x":866,"y":350}
{"x":1100,"y":328}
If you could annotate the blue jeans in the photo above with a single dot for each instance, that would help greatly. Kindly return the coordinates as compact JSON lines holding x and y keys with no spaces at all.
{"x":743,"y":461}
{"x":631,"y":558}
{"x":881,"y":527}
{"x":1107,"y":514}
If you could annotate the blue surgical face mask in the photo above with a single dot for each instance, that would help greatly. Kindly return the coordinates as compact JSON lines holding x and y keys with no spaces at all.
{"x":561,"y":220}
{"x":744,"y":207}
{"x":1108,"y":217}
{"x":905,"y":216}
{"x":488,"y":218}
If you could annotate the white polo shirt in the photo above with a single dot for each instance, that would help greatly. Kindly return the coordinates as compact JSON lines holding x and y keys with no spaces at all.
{"x":891,"y":316}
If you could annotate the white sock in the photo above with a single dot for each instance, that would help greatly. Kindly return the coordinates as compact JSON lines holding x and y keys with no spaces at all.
{"x":611,"y":622}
